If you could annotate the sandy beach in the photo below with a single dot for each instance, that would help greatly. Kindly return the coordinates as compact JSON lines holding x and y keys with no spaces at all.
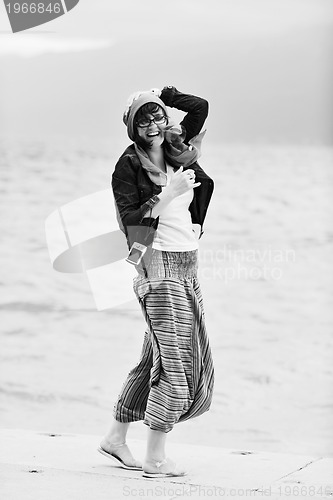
{"x":266,"y":273}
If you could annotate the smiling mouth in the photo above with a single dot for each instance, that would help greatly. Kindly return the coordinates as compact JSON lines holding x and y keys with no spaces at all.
{"x":153,"y":134}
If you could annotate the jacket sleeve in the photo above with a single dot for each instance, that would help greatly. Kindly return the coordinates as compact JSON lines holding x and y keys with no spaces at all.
{"x":127,"y":197}
{"x":195,"y":107}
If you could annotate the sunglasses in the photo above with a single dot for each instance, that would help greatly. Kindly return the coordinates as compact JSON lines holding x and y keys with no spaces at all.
{"x":145,"y":122}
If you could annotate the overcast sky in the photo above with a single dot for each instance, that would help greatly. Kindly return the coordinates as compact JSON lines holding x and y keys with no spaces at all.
{"x":264,"y":65}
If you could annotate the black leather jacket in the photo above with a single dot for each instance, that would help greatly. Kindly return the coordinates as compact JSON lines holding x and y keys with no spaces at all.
{"x":132,"y":187}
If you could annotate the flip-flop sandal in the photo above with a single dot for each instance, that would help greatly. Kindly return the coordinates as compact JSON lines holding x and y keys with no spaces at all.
{"x":154,"y":475}
{"x":174,"y":473}
{"x":118,"y":460}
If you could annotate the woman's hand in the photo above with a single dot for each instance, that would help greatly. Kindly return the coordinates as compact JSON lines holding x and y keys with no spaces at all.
{"x":179,"y":184}
{"x":182,"y":181}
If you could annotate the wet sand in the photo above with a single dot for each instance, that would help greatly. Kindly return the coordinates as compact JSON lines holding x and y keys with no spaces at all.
{"x":266,"y":274}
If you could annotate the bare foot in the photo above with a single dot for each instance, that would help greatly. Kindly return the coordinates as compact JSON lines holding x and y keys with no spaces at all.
{"x":165,"y":467}
{"x":121,"y":451}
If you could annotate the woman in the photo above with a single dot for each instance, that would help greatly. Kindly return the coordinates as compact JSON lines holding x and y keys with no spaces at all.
{"x":160,"y":193}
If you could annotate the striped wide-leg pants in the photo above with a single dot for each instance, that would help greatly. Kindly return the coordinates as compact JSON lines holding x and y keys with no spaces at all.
{"x":174,"y":378}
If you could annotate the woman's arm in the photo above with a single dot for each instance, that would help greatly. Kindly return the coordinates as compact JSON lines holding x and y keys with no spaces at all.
{"x":126,"y":195}
{"x":180,"y":183}
{"x":195,"y":107}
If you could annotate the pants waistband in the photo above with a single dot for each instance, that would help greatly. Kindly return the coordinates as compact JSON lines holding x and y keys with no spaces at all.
{"x":165,"y":264}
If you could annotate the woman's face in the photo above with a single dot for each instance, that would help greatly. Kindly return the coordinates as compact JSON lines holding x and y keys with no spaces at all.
{"x":151,"y":128}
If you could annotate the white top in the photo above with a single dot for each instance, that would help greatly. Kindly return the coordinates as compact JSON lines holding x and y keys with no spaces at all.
{"x":175,"y":231}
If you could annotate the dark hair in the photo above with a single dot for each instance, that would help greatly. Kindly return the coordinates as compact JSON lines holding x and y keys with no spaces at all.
{"x":147,"y":109}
